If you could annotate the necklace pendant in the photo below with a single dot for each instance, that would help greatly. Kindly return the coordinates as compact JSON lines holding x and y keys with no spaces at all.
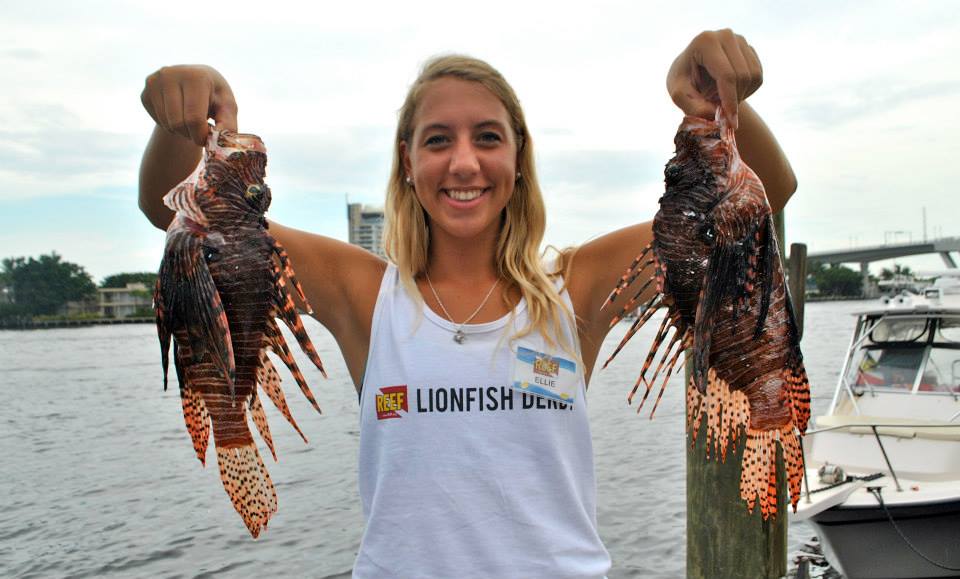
{"x":459,"y":337}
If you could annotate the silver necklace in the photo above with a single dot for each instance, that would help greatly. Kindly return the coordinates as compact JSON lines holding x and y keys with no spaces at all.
{"x":459,"y":336}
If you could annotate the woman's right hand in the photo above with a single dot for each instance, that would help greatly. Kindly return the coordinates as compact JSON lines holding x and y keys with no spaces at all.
{"x":181,"y":99}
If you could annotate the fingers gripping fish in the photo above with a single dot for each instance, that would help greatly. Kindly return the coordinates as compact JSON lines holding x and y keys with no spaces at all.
{"x":223,"y":282}
{"x":716,"y":265}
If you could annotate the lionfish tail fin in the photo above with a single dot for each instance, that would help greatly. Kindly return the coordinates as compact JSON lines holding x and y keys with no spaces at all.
{"x":248,"y":484}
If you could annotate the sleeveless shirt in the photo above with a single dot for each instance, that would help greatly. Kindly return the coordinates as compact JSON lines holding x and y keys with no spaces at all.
{"x":462,"y":475}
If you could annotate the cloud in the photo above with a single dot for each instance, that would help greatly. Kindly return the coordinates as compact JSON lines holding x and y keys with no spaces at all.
{"x":53,"y":161}
{"x":864,"y":99}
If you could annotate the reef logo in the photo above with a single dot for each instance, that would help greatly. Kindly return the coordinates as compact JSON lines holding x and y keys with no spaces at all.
{"x":390,"y":401}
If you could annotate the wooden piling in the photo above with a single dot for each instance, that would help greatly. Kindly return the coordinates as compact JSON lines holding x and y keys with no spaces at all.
{"x":724,"y":540}
{"x":797,"y":282}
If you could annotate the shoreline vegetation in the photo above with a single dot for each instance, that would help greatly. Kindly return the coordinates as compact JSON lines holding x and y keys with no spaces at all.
{"x":48,"y":292}
{"x":43,"y":322}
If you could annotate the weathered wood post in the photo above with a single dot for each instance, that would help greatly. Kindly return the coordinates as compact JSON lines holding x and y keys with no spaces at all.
{"x":798,"y":281}
{"x":723,"y":539}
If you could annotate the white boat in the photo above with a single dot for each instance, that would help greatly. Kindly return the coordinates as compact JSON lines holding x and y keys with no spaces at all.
{"x":883,"y":465}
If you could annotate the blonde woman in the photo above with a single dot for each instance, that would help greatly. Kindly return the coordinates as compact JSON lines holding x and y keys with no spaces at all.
{"x":471,"y":356}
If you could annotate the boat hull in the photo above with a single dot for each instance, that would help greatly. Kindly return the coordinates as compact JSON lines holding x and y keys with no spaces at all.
{"x":862,"y":543}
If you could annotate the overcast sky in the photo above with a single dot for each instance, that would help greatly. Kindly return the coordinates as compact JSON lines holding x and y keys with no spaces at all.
{"x":862,"y":96}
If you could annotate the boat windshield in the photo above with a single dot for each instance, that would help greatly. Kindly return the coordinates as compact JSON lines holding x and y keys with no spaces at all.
{"x":901,"y":354}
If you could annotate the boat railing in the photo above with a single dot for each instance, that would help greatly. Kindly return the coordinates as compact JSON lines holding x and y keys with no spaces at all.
{"x":873,"y":426}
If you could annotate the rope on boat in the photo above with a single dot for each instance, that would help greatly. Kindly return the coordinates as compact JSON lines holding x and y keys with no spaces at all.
{"x":875,"y":491}
{"x":848,"y":479}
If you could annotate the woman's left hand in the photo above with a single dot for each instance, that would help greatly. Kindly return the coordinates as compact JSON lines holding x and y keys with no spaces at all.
{"x":718,"y":67}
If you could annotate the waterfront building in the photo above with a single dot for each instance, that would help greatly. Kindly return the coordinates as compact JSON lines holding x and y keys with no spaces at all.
{"x":121,"y":302}
{"x":366,"y":227}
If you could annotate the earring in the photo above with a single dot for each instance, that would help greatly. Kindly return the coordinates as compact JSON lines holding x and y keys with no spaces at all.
{"x":409,"y":181}
{"x":519,"y":176}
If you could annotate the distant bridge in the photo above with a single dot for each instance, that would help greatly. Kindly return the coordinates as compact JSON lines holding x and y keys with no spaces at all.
{"x":864,"y":255}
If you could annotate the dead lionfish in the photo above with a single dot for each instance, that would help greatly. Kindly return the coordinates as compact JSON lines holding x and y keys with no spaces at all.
{"x":717,"y":268}
{"x":220,"y":288}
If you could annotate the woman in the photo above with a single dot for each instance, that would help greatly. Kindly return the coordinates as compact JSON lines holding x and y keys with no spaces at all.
{"x":463,"y":472}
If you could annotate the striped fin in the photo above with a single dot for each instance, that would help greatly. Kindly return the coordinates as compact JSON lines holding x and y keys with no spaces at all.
{"x":189,"y":300}
{"x":260,"y":420}
{"x":183,"y":198}
{"x":248,"y":484}
{"x":280,"y":348}
{"x":630,"y":275}
{"x":287,"y":267}
{"x":796,"y":382}
{"x":269,"y":382}
{"x":288,"y":313}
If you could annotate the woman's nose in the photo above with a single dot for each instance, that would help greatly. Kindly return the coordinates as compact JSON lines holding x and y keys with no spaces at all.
{"x":463,"y":160}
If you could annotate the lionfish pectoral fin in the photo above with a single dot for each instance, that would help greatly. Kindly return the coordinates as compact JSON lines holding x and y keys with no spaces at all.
{"x":717,"y":283}
{"x":191,"y":299}
{"x":768,"y":254}
{"x":164,"y":332}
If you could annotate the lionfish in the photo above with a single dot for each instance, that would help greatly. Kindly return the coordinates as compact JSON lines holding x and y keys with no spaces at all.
{"x":223,"y":281}
{"x":716,"y":264}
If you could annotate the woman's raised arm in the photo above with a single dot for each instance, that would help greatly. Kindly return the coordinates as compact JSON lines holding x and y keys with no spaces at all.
{"x":716,"y":67}
{"x":340,"y":280}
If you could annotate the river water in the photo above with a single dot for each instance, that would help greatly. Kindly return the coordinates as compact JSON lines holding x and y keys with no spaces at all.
{"x":99,"y":477}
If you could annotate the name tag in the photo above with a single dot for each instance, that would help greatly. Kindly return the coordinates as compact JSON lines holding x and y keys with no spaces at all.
{"x":544,"y":375}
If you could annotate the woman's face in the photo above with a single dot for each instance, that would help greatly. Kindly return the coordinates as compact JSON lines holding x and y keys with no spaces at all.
{"x":462,"y":157}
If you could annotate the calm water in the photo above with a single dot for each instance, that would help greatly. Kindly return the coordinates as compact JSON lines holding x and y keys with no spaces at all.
{"x":100,"y":479}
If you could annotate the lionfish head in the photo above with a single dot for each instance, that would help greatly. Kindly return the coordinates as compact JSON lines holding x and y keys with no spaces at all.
{"x":237,"y":166}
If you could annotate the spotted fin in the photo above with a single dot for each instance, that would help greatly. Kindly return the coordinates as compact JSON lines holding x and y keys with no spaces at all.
{"x":248,"y":484}
{"x":198,"y":421}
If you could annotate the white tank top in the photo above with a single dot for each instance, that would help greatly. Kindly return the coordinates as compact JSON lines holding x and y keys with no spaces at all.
{"x":461,"y":474}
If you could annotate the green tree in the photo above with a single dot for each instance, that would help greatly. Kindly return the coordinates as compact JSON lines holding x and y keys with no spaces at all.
{"x":120,"y":280}
{"x":898,"y":270}
{"x":41,"y":286}
{"x":838,"y":280}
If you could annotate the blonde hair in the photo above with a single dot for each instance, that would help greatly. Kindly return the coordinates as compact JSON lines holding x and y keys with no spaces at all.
{"x":518,"y":258}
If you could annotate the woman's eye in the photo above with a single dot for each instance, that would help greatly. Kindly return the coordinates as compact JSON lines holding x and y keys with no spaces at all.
{"x":435,"y":140}
{"x":489,"y":138}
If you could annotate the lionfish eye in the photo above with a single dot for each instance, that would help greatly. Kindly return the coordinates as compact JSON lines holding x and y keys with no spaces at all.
{"x":672,"y":174}
{"x":709,"y":234}
{"x":253,"y":191}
